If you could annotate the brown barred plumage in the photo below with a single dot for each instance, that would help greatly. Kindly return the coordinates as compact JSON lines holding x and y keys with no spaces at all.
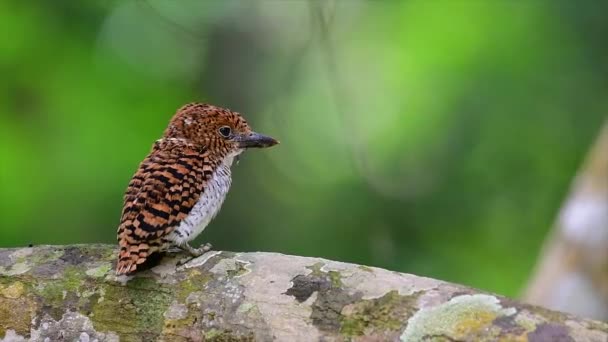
{"x":181,"y":184}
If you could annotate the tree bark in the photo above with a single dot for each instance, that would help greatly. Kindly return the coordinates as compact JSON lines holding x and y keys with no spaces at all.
{"x":70,"y":293}
{"x":572,"y":273}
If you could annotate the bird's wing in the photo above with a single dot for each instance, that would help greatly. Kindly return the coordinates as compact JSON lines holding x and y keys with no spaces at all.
{"x":160,"y":195}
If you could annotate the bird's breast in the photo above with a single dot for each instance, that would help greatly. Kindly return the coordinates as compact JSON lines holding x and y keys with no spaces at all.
{"x":207,"y":207}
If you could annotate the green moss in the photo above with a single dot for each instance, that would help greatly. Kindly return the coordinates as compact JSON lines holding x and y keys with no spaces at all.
{"x":45,"y":256}
{"x":195,"y":281}
{"x":334,"y":276}
{"x":316,"y":269}
{"x":365,"y":268}
{"x":549,"y":315}
{"x":15,"y":314}
{"x":216,"y":335}
{"x":336,"y":279}
{"x":180,"y":322}
{"x":13,"y":290}
{"x":240,"y":270}
{"x":99,"y":271}
{"x":51,"y":292}
{"x":54,"y":292}
{"x":331,"y":298}
{"x":134,"y":311}
{"x":99,"y":252}
{"x":213,"y":333}
{"x":71,"y":291}
{"x":327,"y":308}
{"x":6,"y":280}
{"x":72,"y":278}
{"x":387,"y":313}
{"x":16,"y":308}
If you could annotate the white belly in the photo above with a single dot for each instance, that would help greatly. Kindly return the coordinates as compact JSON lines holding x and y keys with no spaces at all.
{"x":206,"y":208}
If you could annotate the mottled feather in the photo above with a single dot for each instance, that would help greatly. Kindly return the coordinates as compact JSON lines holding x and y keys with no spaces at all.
{"x":165,"y":188}
{"x":171,"y":180}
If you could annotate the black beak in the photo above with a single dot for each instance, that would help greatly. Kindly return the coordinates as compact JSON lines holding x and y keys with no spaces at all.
{"x":254,"y":139}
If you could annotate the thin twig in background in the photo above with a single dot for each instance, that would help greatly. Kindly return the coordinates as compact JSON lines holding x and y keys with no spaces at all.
{"x":358,"y":144}
{"x":190,"y":33}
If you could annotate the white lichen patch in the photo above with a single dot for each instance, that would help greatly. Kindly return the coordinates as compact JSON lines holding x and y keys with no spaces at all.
{"x":265,"y":285}
{"x":176,"y":311}
{"x":244,"y":264}
{"x":231,"y":267}
{"x":99,"y":271}
{"x":12,"y":336}
{"x":232,"y":292}
{"x":87,"y":293}
{"x":195,"y":298}
{"x":16,"y":269}
{"x":20,"y":254}
{"x":123,"y":279}
{"x":223,"y":266}
{"x":84,"y":337}
{"x":245,"y":307}
{"x":102,"y":294}
{"x":72,"y":326}
{"x":528,"y":320}
{"x":343,"y":268}
{"x":165,"y":269}
{"x":200,"y":261}
{"x":455,"y":318}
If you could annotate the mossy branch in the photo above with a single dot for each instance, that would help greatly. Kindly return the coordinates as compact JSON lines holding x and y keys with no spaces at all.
{"x":70,"y":293}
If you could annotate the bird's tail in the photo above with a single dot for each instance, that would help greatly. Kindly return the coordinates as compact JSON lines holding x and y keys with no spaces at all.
{"x":130,"y":256}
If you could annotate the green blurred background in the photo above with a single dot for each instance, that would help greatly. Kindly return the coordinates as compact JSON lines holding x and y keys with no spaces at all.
{"x":437,"y":138}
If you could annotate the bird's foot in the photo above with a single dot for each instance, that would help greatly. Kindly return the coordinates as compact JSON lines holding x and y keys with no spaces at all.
{"x":174,"y":250}
{"x":194,"y":252}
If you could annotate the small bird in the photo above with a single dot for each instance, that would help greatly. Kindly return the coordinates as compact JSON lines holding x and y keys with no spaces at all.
{"x":181,"y":185}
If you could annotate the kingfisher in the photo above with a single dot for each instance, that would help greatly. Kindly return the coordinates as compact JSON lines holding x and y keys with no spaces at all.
{"x":181,"y":184}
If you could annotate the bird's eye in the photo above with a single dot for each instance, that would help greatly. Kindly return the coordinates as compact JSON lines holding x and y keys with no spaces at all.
{"x":225,"y":131}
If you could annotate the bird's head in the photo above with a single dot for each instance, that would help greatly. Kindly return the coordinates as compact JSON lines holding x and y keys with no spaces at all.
{"x":215,"y":128}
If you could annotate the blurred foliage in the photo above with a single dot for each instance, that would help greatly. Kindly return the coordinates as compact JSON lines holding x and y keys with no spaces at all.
{"x":436,"y":138}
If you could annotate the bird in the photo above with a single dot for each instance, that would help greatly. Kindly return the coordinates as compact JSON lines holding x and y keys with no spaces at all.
{"x":181,"y":184}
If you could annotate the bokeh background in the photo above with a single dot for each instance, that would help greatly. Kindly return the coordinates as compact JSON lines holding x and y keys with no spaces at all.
{"x":436,"y":138}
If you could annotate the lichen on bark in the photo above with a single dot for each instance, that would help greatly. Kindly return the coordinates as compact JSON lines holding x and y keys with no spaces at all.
{"x":71,"y":293}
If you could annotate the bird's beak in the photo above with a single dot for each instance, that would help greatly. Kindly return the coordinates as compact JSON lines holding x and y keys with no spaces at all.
{"x":254,"y":139}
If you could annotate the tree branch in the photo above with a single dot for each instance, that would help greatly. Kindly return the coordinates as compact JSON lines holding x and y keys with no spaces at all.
{"x":572,"y":273}
{"x":70,"y":293}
